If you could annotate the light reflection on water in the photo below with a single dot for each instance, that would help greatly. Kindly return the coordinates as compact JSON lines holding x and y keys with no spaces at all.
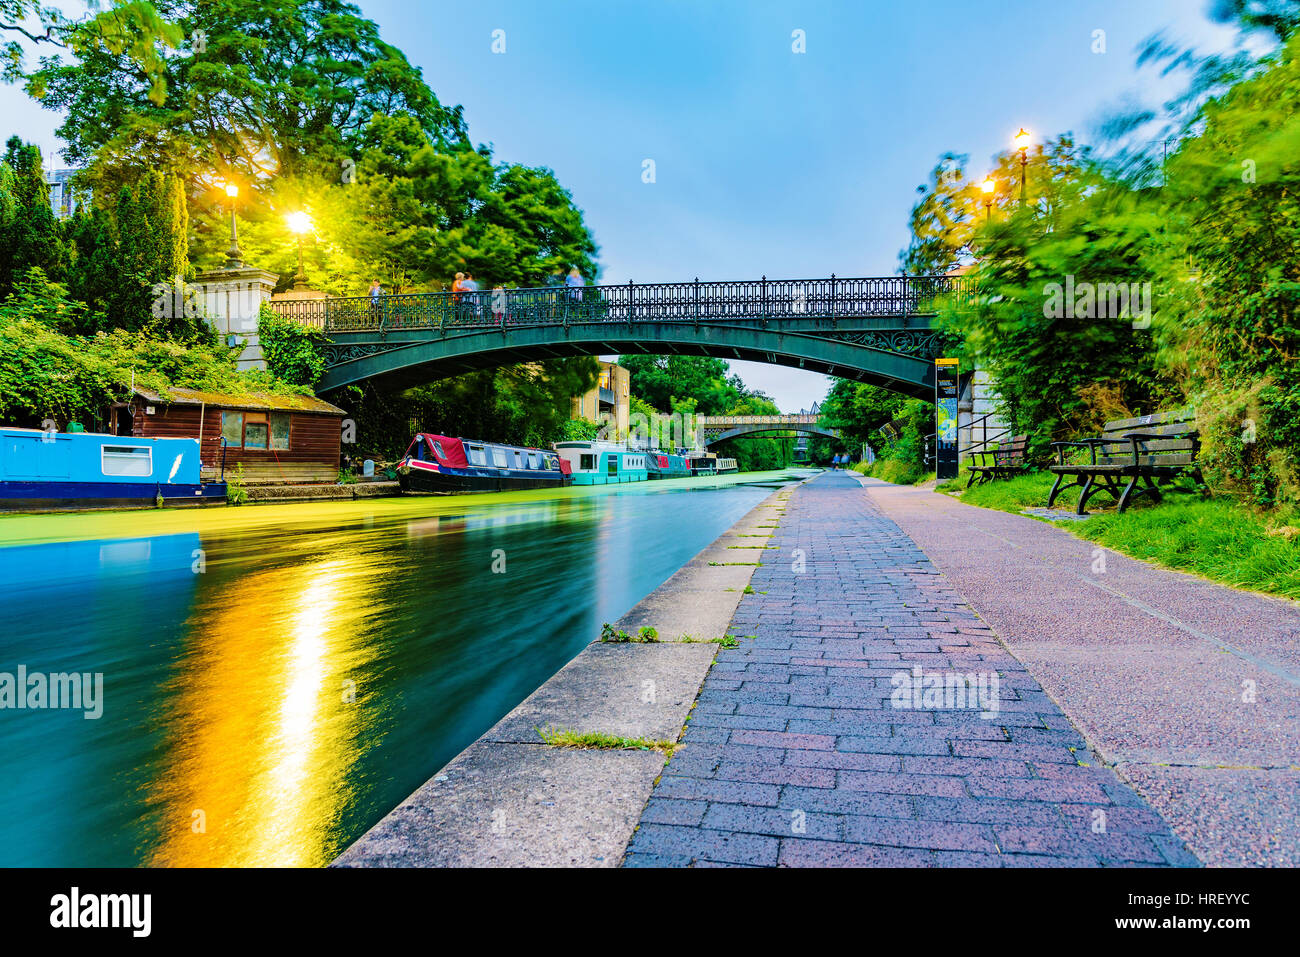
{"x":321,"y":667}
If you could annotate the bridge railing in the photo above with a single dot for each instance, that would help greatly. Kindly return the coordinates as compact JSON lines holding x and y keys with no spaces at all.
{"x":631,"y":302}
{"x":720,"y":421}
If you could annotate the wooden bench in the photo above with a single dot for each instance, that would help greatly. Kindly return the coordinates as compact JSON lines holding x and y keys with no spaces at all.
{"x":1006,"y":460}
{"x":1148,"y":449}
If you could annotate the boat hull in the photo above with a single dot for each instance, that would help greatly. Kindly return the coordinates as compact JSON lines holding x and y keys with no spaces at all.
{"x":451,"y":483}
{"x":76,"y":496}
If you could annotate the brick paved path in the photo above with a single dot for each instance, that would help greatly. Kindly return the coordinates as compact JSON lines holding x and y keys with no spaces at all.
{"x":796,"y":756}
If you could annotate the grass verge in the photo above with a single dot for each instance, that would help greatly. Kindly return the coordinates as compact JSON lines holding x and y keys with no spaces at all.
{"x":1215,"y":538}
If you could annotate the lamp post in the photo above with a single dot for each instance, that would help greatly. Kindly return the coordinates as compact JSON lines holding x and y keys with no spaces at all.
{"x":234,"y":258}
{"x":1021,"y":142}
{"x":988,"y":186}
{"x":299,"y":224}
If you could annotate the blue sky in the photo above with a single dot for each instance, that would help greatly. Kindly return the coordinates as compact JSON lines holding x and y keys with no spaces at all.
{"x":767,"y":161}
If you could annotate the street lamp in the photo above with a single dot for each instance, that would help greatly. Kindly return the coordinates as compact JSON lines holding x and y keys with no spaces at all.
{"x":234,"y":258}
{"x":988,"y":186}
{"x":300,"y":224}
{"x":1021,"y":142}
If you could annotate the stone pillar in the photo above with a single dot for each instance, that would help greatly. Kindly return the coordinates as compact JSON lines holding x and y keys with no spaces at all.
{"x":232,"y":299}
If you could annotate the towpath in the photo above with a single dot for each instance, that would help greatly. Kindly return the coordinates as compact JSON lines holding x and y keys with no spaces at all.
{"x":1079,"y":723}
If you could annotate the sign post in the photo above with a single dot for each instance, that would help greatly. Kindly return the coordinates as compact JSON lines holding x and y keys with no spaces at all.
{"x":945,"y":418}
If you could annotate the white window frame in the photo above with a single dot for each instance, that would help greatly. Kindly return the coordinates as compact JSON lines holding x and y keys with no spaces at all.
{"x":115,"y":454}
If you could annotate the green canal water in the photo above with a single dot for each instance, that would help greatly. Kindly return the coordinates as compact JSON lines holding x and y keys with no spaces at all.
{"x":277,"y":678}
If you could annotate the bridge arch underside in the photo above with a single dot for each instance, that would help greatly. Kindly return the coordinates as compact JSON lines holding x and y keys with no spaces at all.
{"x":746,"y":430}
{"x":408,"y":358}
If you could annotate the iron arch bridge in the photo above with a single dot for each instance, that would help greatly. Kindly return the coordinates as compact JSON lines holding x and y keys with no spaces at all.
{"x":872,"y":330}
{"x":719,"y":428}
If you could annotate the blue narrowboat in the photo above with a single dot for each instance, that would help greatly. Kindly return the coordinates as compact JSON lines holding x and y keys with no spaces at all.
{"x":43,"y":470}
{"x":603,"y":463}
{"x":441,"y":463}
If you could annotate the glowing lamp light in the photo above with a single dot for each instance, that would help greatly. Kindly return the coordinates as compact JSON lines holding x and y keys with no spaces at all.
{"x":299,"y":222}
{"x":1022,"y":139}
{"x":232,"y":190}
{"x":988,"y":185}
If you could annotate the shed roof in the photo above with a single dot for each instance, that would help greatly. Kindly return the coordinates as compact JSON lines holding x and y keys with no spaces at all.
{"x":249,"y":400}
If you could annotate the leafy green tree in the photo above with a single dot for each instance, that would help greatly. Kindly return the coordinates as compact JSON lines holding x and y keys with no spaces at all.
{"x":29,"y":231}
{"x":130,"y":29}
{"x":1229,"y":321}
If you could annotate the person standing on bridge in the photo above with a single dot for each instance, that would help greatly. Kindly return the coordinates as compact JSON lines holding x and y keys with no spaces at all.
{"x":376,"y":304}
{"x":470,"y":288}
{"x":575,"y":284}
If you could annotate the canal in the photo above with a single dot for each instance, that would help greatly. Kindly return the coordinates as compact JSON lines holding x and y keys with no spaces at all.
{"x":277,"y":678}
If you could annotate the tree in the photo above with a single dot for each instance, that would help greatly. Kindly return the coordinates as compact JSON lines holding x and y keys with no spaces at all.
{"x":668,"y":382}
{"x":130,"y":29}
{"x":29,"y":231}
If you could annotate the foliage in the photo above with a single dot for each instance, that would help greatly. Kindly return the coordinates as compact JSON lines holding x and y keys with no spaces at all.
{"x":858,"y":410}
{"x":1229,"y":326}
{"x":579,"y":430}
{"x":130,"y":29}
{"x":1080,"y":231}
{"x":45,"y":373}
{"x":29,"y":232}
{"x":292,"y":349}
{"x":236,"y":492}
{"x":305,"y":108}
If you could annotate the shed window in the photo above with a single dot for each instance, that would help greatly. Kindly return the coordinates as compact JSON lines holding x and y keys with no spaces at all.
{"x":126,"y":460}
{"x":280,"y":430}
{"x":232,"y":428}
{"x":256,"y":431}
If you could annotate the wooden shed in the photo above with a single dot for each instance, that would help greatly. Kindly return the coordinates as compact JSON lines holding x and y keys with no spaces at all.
{"x":278,"y":439}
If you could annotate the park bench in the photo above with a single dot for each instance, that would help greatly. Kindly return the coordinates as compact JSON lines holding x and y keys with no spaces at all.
{"x":1148,"y":449}
{"x":1005,"y":461}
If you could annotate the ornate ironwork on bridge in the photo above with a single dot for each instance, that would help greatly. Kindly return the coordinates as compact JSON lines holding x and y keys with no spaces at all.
{"x":718,"y":428}
{"x":872,"y":329}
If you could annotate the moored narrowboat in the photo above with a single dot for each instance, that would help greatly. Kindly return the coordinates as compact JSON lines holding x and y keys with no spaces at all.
{"x":702,"y":463}
{"x":75,"y":470}
{"x":664,"y":465}
{"x":603,"y":463}
{"x":443,"y":463}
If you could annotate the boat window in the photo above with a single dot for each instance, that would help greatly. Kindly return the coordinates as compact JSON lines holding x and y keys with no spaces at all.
{"x":437,"y":448}
{"x":280,"y":430}
{"x":534,"y":460}
{"x":126,"y":460}
{"x":519,"y":459}
{"x":232,"y":428}
{"x":499,"y":458}
{"x":587,"y":463}
{"x":477,"y":456}
{"x":552,"y":462}
{"x":613,"y":465}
